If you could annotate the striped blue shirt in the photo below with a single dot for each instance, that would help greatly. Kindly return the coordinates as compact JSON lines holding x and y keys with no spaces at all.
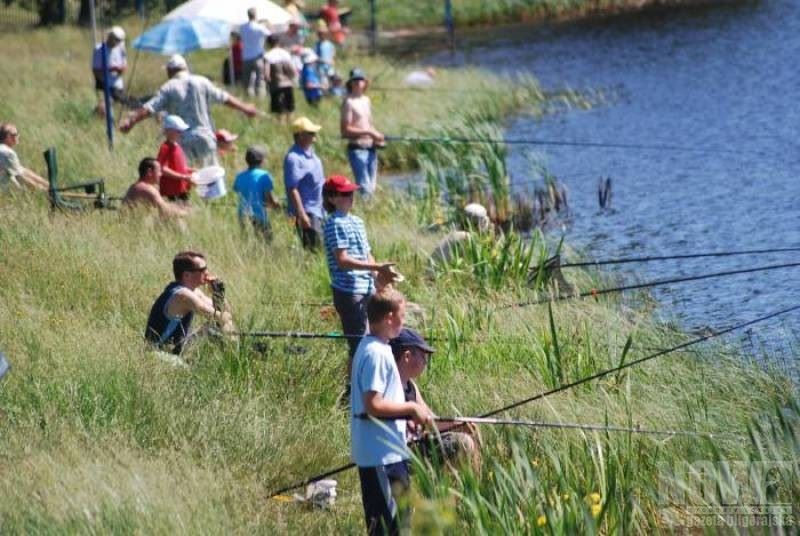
{"x":345,"y":231}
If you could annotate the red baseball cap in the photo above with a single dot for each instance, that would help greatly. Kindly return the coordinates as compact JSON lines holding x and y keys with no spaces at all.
{"x":339,"y":184}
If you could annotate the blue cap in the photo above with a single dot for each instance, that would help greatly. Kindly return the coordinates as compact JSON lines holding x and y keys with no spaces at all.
{"x":409,"y":338}
{"x":357,"y":74}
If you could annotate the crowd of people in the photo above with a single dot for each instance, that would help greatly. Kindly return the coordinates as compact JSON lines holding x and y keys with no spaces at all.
{"x":384,"y":357}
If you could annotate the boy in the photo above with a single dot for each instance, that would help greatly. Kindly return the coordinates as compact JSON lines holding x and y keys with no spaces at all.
{"x":455,"y":443}
{"x":378,"y":423}
{"x":254,"y":187}
{"x":176,"y":176}
{"x":309,"y":79}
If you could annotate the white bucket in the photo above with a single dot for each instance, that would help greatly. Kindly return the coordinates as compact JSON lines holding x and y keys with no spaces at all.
{"x":210,"y":182}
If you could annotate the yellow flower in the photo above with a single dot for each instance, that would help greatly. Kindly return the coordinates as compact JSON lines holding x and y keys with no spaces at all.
{"x":595,"y":497}
{"x":565,"y":497}
{"x":541,"y":521}
{"x":596,"y":508}
{"x":535,"y":462}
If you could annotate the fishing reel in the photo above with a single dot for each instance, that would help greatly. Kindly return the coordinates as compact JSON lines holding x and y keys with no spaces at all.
{"x":218,"y":294}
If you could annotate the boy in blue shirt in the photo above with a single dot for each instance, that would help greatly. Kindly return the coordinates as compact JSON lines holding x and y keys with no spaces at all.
{"x":254,"y":187}
{"x":310,"y":79}
{"x":380,"y":411}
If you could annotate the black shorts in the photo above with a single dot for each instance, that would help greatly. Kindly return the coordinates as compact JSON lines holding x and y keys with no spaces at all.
{"x":116,"y":93}
{"x":380,"y":488}
{"x":281,"y":100}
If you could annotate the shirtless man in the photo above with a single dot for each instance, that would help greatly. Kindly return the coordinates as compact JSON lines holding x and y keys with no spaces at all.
{"x":144,"y":192}
{"x":169,"y":324}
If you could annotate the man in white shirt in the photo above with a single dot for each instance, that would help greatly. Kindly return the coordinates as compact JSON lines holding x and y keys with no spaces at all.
{"x":117,"y":65}
{"x":253,"y":34}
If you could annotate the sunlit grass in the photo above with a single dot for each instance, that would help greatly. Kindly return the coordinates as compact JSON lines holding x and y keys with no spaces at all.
{"x":99,"y":436}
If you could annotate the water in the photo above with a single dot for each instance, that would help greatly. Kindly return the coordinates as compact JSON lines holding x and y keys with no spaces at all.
{"x":723,"y":78}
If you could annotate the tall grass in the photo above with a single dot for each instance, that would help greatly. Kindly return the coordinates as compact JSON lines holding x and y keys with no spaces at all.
{"x":99,"y":436}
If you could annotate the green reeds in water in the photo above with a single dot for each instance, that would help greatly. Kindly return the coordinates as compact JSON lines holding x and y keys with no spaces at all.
{"x":494,"y":261}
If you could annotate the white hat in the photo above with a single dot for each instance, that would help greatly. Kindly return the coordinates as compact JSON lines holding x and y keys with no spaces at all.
{"x":117,"y":32}
{"x":476,"y":211}
{"x":176,"y":63}
{"x":174,"y":122}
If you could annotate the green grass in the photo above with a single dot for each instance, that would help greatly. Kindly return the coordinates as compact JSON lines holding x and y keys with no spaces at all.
{"x":99,"y":436}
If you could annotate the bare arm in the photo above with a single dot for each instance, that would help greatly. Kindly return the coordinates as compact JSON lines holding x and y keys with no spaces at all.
{"x":33,"y":180}
{"x":272,"y":201}
{"x":297,"y":203}
{"x":187,"y":301}
{"x":165,"y":208}
{"x":346,"y":262}
{"x":247,"y":109}
{"x":170,"y":173}
{"x":134,"y":117}
{"x":377,"y":406}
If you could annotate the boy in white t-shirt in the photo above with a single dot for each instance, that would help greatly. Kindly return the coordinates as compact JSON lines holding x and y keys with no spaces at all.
{"x":378,"y":423}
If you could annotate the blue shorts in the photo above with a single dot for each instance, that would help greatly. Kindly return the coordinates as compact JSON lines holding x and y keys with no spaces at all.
{"x":380,"y":488}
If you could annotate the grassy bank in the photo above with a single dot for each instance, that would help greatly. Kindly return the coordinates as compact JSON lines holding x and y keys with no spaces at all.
{"x":99,"y":436}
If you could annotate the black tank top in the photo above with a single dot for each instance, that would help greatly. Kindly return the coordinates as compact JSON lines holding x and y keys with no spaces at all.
{"x":166,"y":333}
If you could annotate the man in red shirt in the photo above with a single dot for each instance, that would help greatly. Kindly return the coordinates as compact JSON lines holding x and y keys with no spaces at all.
{"x":176,"y":176}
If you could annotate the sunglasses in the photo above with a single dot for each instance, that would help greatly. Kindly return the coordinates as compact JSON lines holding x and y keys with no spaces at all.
{"x":198,"y":269}
{"x":344,"y":194}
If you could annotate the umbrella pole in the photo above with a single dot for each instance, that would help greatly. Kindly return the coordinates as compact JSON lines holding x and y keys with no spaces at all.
{"x":231,"y":69}
{"x":93,"y":19}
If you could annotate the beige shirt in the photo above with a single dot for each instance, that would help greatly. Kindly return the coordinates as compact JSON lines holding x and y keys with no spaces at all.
{"x":357,"y":112}
{"x":10,"y":167}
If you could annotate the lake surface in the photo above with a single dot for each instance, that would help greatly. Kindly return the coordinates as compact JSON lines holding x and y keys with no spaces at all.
{"x":710,"y":79}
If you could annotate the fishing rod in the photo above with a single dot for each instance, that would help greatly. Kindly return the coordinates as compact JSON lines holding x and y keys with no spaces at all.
{"x":590,"y":144}
{"x":651,"y":284}
{"x":577,"y":426}
{"x":571,"y":385}
{"x":626,"y":260}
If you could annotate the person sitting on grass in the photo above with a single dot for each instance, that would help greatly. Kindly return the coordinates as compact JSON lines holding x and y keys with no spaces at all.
{"x":379,"y":417}
{"x":354,"y":273}
{"x":144,"y":192}
{"x":412,"y":353}
{"x":473,"y":219}
{"x":169,"y":325}
{"x":255,"y":187}
{"x":176,"y":175}
{"x":11,"y":170}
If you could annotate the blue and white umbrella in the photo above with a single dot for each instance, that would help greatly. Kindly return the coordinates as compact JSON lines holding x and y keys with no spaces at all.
{"x":179,"y":36}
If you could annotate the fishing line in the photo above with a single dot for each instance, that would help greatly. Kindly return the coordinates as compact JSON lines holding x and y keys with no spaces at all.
{"x":626,"y":260}
{"x":651,"y":284}
{"x":571,"y":385}
{"x":589,"y":144}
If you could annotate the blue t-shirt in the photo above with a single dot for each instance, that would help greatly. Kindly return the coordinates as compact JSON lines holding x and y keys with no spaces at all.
{"x":252,"y":186}
{"x":303,"y":170}
{"x":382,"y":442}
{"x":309,"y":76}
{"x":347,"y":232}
{"x":326,"y":52}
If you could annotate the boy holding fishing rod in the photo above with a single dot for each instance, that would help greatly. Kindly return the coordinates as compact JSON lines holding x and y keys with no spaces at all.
{"x":379,"y":416}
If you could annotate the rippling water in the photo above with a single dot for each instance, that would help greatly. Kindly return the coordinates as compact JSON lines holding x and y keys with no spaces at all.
{"x":724,"y":78}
